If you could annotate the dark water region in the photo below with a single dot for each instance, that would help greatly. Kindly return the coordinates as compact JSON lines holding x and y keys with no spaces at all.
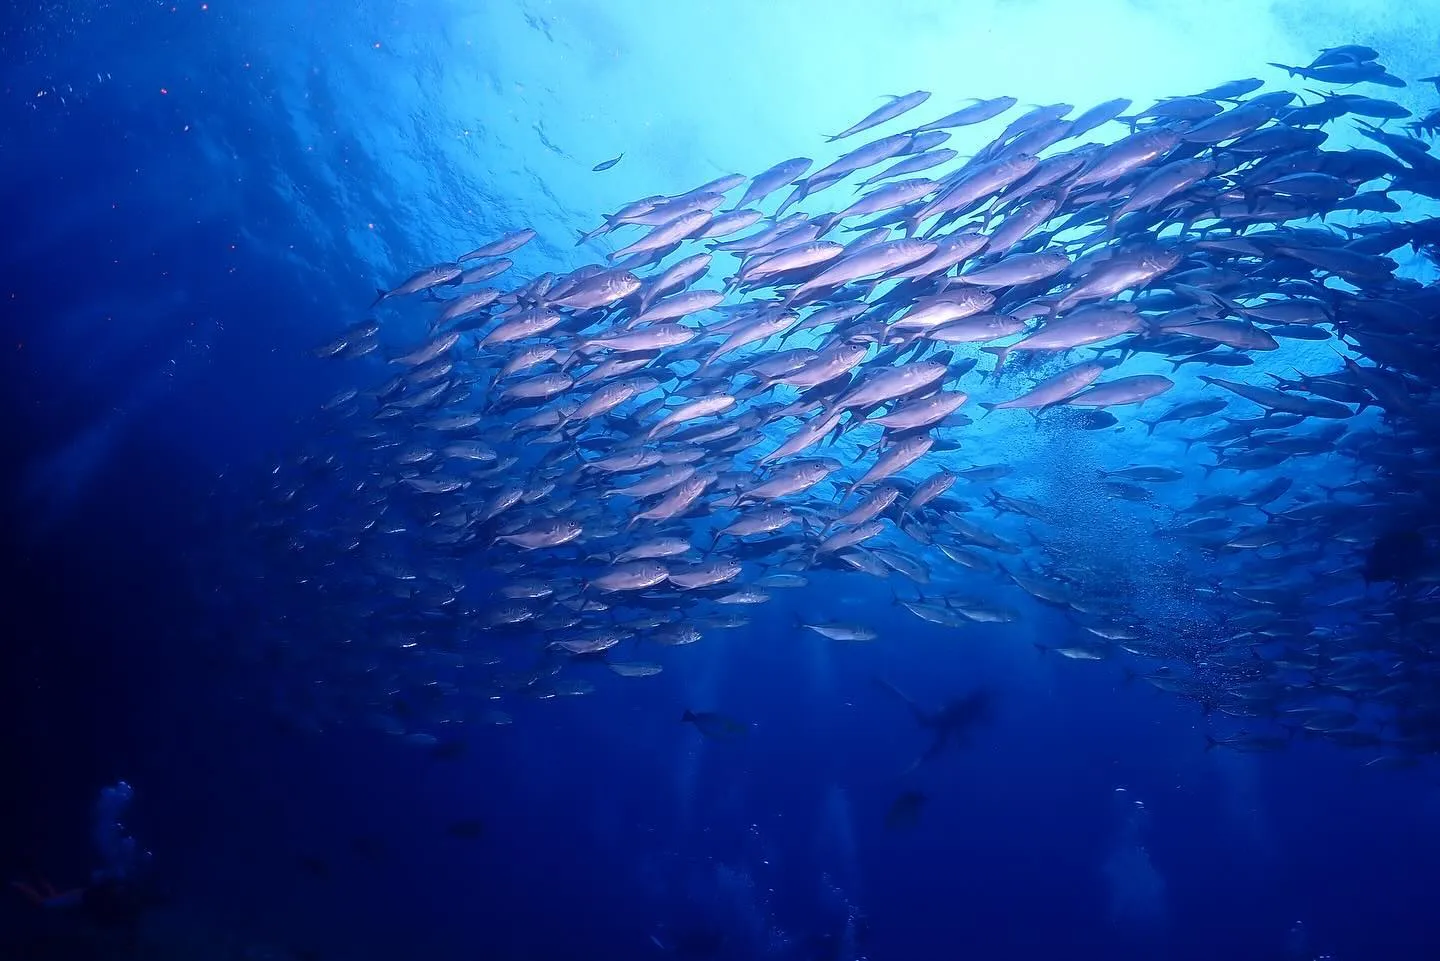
{"x":955,"y":523}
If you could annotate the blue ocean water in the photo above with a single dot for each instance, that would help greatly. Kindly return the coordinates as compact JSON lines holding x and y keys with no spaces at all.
{"x":197,"y":195}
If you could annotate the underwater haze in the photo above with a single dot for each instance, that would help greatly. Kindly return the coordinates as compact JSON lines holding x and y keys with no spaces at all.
{"x":811,"y":481}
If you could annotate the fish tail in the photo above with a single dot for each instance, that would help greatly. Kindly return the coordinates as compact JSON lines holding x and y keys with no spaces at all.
{"x":379,"y":296}
{"x":799,"y":193}
{"x":1000,"y":354}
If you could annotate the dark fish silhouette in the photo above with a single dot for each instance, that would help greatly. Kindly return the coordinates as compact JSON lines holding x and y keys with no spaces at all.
{"x":952,"y":723}
{"x":712,"y":724}
{"x":607,"y":164}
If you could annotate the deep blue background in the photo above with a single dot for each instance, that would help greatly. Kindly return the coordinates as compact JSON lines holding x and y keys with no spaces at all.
{"x":178,"y":233}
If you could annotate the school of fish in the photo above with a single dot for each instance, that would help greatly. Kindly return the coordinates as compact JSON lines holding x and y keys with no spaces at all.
{"x":970,"y":373}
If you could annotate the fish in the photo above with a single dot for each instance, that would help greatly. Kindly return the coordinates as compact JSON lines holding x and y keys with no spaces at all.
{"x":952,"y":724}
{"x":607,"y":164}
{"x":978,"y":112}
{"x":427,"y":279}
{"x":635,"y":668}
{"x":609,"y":459}
{"x":508,"y":244}
{"x":897,"y":105}
{"x":715,"y":725}
{"x":1055,"y":389}
{"x":1125,"y":390}
{"x":843,"y":632}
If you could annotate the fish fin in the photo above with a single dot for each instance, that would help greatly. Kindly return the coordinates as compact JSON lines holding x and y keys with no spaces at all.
{"x":688,"y":716}
{"x":1000,"y":354}
{"x":909,"y":702}
{"x":1210,"y":743}
{"x":379,"y":296}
